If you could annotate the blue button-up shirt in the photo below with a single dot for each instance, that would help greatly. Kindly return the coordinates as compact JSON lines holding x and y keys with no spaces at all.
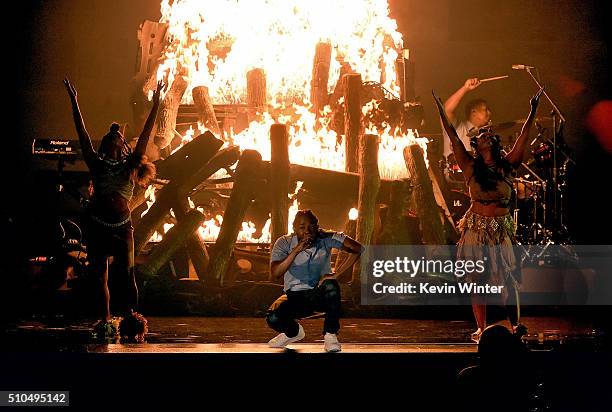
{"x":310,"y":264}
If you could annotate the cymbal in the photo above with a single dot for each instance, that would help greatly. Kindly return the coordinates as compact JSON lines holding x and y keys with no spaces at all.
{"x":543,"y":121}
{"x":546,"y":122}
{"x":506,"y":125}
{"x":508,"y":131}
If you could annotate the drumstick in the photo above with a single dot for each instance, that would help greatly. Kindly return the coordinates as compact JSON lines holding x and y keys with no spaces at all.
{"x":493,"y":78}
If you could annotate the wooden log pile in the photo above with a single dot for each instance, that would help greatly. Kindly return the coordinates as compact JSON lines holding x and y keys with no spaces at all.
{"x":181,"y":178}
{"x":187,"y":169}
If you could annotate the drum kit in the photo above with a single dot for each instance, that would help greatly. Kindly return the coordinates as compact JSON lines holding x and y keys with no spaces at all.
{"x":539,"y":195}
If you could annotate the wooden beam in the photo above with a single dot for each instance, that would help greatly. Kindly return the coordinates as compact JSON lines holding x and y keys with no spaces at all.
{"x":248,"y":178}
{"x":166,"y":117}
{"x":369,"y":183}
{"x":173,"y":240}
{"x":352,"y":120}
{"x":188,"y":159}
{"x":396,"y":230}
{"x":279,"y":180}
{"x":257,"y":98}
{"x":205,"y":109}
{"x":195,"y":248}
{"x":320,"y":77}
{"x":427,"y":209}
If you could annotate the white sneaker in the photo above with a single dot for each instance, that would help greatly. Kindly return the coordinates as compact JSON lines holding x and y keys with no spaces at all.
{"x":281,"y":340}
{"x":331,"y":343}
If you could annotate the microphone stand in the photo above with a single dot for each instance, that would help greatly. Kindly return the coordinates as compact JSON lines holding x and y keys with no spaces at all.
{"x":557,"y":128}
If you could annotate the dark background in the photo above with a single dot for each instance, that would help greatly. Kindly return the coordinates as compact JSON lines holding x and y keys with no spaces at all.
{"x":95,"y":43}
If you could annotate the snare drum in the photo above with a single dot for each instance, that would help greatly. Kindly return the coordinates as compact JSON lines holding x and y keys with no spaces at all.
{"x":524,"y":188}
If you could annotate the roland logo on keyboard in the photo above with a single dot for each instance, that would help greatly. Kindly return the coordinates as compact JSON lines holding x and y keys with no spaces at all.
{"x":54,"y":146}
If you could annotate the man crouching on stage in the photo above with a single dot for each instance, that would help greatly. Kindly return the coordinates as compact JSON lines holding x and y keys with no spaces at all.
{"x":309,"y":284}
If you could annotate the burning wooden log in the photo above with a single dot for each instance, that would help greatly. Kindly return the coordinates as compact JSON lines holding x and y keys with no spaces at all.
{"x":195,"y":248}
{"x":320,"y":76}
{"x":205,"y":108}
{"x":405,"y":70}
{"x":189,"y":158}
{"x":181,"y":184}
{"x":222,"y":160}
{"x":174,"y":239}
{"x":151,"y":41}
{"x":248,"y":178}
{"x":369,"y":183}
{"x":395,"y":228}
{"x":336,"y":101}
{"x":335,"y":182}
{"x":426,"y":207}
{"x":279,"y":180}
{"x":256,"y":90}
{"x":352,"y":120}
{"x":154,"y":217}
{"x":166,"y":118}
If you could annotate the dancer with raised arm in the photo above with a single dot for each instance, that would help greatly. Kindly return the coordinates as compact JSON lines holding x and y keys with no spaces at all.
{"x":487,"y":228}
{"x":115,"y":170}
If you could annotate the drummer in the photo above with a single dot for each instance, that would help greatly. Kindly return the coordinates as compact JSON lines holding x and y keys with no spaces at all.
{"x":477,"y":114}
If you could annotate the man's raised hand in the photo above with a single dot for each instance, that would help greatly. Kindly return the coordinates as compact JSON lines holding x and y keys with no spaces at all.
{"x":471,"y":84}
{"x":535,"y":100}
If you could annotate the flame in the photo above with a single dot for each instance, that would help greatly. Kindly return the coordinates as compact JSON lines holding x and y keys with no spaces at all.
{"x":215,"y":43}
{"x":353,"y":214}
{"x":150,"y":198}
{"x":209,"y":231}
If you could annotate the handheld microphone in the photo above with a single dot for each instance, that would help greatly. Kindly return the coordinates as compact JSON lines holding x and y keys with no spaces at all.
{"x":521,"y":67}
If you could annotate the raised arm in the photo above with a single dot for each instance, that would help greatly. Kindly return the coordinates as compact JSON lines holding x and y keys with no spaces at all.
{"x":143,"y":139}
{"x":464,"y":159}
{"x":450,"y":105}
{"x":515,"y":157}
{"x":89,"y":153}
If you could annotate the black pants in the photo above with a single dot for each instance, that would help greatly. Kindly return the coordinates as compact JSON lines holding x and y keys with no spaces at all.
{"x":286,"y":309}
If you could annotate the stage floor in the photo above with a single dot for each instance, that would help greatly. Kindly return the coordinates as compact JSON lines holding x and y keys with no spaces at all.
{"x":210,"y":334}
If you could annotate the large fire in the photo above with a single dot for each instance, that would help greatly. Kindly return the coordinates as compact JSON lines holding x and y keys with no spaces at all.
{"x":218,"y":41}
{"x":215,"y":43}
